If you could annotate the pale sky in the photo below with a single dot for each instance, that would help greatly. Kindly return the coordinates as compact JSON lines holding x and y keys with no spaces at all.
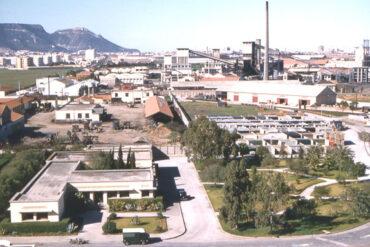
{"x":164,"y":25}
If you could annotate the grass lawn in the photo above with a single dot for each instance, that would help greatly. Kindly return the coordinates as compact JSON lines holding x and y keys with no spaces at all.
{"x":9,"y":78}
{"x":211,"y":108}
{"x":328,"y":113}
{"x":215,"y":195}
{"x":148,"y":223}
{"x":336,"y":190}
{"x":300,"y":183}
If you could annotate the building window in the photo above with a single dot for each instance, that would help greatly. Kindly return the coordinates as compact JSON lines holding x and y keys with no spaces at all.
{"x":87,"y":115}
{"x":116,"y":95}
{"x":112,"y":194}
{"x":68,"y":116}
{"x":126,"y":94}
{"x":147,"y":94}
{"x":79,"y":115}
{"x":145,"y":193}
{"x":41,"y":216}
{"x":27,"y":216}
{"x":124,"y":194}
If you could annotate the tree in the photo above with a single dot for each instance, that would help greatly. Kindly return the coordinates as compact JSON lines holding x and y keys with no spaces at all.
{"x":262,"y":152}
{"x":120,"y":163}
{"x":243,"y":149}
{"x":301,"y":209}
{"x":313,"y":156}
{"x":132,"y":160}
{"x":103,"y":161}
{"x":204,"y":139}
{"x":298,"y":166}
{"x":271,"y":192}
{"x":359,"y":201}
{"x":269,"y":161}
{"x":236,"y":191}
{"x":128,"y":158}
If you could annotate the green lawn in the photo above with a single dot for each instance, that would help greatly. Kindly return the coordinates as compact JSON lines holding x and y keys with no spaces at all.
{"x":211,"y":108}
{"x":148,"y":223}
{"x":336,"y":190}
{"x":215,"y":195}
{"x":9,"y":78}
{"x":300,"y":183}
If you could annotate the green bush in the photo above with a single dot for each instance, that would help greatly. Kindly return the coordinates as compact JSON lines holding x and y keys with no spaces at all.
{"x":132,"y":205}
{"x":301,"y":209}
{"x":30,"y":228}
{"x":112,"y":216}
{"x":109,"y":227}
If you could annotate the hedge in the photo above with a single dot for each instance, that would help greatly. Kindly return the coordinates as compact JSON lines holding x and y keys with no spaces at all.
{"x":30,"y":228}
{"x":133,"y":205}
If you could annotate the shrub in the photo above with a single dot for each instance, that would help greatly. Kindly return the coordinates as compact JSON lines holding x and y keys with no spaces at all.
{"x":30,"y":228}
{"x":300,"y":209}
{"x":158,"y":229}
{"x":109,"y":227}
{"x":112,"y":216}
{"x":144,"y":204}
{"x":321,"y":192}
{"x":135,"y":220}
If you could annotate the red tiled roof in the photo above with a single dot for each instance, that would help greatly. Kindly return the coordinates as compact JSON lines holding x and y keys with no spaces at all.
{"x":155,"y":105}
{"x":15,"y":116}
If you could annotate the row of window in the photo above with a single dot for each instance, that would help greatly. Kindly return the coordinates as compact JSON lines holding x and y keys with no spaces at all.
{"x":79,"y":115}
{"x":127,"y":94}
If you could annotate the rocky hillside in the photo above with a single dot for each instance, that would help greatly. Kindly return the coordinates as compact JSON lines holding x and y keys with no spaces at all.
{"x":35,"y":38}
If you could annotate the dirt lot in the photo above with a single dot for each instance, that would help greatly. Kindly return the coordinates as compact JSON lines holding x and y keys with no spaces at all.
{"x":142,"y":128}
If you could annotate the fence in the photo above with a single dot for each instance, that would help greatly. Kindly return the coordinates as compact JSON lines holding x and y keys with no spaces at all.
{"x":182,"y":113}
{"x":171,"y":150}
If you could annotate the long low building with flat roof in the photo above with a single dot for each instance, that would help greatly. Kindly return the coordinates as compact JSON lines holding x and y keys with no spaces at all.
{"x":277,"y":92}
{"x":44,"y":197}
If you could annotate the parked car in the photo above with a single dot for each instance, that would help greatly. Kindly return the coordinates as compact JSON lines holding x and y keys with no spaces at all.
{"x":135,"y":236}
{"x":183,"y":195}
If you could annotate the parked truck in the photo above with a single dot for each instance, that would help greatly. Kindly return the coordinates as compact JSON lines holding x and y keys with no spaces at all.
{"x":135,"y":236}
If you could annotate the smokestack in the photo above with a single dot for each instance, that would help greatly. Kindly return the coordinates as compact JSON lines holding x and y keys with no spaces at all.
{"x":266,"y":65}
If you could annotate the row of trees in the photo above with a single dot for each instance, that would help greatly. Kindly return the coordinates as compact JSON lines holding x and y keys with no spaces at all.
{"x":16,"y":174}
{"x":338,"y":158}
{"x":252,"y":198}
{"x":106,"y":161}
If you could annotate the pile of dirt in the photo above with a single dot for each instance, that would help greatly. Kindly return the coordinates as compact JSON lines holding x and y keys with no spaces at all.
{"x":160,"y":134}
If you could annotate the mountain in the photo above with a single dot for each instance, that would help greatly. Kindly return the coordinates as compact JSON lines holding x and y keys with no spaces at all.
{"x":15,"y":37}
{"x":26,"y":37}
{"x":81,"y":39}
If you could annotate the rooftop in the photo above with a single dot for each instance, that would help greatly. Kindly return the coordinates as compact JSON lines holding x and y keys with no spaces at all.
{"x":76,"y":107}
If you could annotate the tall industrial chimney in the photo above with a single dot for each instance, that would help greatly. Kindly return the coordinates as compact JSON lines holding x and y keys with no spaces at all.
{"x":266,"y":65}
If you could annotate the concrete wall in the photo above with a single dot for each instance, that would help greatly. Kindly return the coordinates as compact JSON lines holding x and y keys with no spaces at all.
{"x":16,"y":209}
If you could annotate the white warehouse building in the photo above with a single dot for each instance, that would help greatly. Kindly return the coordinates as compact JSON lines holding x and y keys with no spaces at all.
{"x":277,"y":92}
{"x":80,"y":113}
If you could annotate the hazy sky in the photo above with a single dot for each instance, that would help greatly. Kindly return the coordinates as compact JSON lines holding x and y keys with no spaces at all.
{"x":163,"y":25}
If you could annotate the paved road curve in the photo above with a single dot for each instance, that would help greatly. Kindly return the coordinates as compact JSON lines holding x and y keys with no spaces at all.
{"x":203,"y":229}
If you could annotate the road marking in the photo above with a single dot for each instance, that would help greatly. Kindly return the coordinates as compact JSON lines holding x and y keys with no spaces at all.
{"x":366,"y":236}
{"x":332,"y":241}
